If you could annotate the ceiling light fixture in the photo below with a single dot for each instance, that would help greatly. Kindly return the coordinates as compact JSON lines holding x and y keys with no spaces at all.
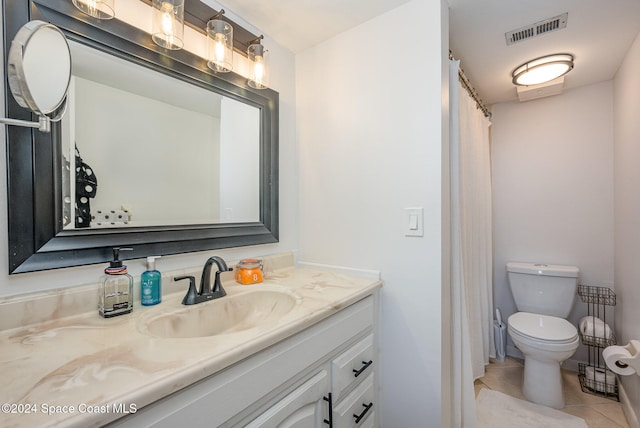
{"x":543,"y":69}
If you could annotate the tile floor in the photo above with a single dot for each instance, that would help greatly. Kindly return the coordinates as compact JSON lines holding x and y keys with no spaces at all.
{"x":598,"y":412}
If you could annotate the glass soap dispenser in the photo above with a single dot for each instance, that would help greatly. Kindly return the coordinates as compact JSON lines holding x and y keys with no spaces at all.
{"x":116,"y":288}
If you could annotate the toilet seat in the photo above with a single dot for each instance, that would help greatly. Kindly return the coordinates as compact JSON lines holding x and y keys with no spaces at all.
{"x":543,"y":332}
{"x":543,"y":327}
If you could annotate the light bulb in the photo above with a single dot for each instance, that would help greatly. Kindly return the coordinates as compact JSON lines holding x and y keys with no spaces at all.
{"x":258,"y":70}
{"x":92,"y":7}
{"x":167,"y":18}
{"x":220,"y":47}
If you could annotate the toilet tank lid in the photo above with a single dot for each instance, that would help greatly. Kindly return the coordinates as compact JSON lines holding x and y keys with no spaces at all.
{"x":543,"y":269}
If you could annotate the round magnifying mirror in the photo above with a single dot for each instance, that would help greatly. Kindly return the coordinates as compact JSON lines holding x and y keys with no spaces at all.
{"x":39,"y":67}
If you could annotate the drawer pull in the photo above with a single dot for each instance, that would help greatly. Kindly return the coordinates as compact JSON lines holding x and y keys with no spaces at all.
{"x":357,"y":373}
{"x":329,"y":400}
{"x":363,"y":413}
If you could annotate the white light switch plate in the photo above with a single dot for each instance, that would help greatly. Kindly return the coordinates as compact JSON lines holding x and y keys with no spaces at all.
{"x":413,"y":221}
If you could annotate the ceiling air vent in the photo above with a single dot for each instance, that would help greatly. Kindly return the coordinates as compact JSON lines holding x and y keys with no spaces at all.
{"x":530,"y":31}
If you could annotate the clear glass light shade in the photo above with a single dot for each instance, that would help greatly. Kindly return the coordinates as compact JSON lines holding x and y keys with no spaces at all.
{"x":259,"y":72}
{"x":220,"y":45}
{"x":100,"y":9}
{"x":168,"y":23}
{"x":542,"y":70}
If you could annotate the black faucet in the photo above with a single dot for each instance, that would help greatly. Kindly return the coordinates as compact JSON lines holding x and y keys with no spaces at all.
{"x":205,"y":293}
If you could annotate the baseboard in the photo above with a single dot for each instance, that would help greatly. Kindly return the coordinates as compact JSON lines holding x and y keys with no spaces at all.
{"x":627,"y":408}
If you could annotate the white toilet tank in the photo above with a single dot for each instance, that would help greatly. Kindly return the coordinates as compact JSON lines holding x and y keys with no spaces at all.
{"x":543,"y":289}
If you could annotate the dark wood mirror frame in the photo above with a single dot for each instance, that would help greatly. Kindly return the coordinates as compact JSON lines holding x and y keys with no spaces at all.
{"x":37,"y":240}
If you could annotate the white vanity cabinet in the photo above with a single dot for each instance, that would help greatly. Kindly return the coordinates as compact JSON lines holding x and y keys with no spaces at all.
{"x":323,"y":376}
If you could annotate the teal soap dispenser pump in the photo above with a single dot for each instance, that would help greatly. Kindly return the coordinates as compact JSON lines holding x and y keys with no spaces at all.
{"x":116,"y":288}
{"x":151,"y":284}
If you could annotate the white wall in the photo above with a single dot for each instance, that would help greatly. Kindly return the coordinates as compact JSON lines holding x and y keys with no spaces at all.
{"x":553,"y":187}
{"x":239,"y":173}
{"x":369,"y":143}
{"x":626,"y":110}
{"x":282,"y":80}
{"x":370,"y":140}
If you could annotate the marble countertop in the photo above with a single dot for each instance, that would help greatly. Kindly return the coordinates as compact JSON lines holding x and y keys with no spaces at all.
{"x":85,"y":370}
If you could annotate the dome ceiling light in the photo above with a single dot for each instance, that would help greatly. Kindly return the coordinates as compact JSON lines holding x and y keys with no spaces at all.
{"x":543,"y":69}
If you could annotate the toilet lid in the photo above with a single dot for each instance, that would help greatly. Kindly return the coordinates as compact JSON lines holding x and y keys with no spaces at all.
{"x":543,"y":327}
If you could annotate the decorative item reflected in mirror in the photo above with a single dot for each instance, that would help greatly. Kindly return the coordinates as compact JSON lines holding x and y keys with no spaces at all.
{"x":184,"y":158}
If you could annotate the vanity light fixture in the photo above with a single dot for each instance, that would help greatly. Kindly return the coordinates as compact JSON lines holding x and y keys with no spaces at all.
{"x":223,"y":37}
{"x":219,"y":44}
{"x":543,"y":69}
{"x":258,"y":56}
{"x":168,"y":23}
{"x":100,"y":9}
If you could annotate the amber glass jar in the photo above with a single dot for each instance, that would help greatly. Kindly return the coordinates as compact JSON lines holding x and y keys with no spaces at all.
{"x":249,"y":271}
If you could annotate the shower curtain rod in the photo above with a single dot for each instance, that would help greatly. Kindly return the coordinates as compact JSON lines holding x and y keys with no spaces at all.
{"x":471,"y":90}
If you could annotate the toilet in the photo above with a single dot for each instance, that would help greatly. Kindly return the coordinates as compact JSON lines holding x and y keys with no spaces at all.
{"x":544,"y":295}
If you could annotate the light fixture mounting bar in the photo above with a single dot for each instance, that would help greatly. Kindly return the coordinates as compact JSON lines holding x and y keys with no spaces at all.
{"x":197,"y":14}
{"x":217,"y":15}
{"x":256,"y":40}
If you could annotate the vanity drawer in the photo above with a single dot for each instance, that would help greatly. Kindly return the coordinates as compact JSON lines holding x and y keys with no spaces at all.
{"x":357,"y":409}
{"x":352,"y":366}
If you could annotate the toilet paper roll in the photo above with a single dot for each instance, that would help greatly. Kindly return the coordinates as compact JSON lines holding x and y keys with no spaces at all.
{"x":612,"y":355}
{"x":595,"y":327}
{"x":600,"y":380}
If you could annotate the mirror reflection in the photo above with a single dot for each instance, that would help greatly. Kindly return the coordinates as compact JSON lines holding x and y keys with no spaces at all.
{"x":143,"y":149}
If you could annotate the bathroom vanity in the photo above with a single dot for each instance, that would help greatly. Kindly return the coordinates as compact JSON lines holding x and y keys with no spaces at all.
{"x":298,"y":348}
{"x":308,"y":378}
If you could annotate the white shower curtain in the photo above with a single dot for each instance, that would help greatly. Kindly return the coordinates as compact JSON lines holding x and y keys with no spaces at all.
{"x":471,"y":247}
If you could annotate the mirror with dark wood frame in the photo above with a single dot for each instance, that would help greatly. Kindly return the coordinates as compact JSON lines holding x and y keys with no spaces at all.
{"x":37,"y":186}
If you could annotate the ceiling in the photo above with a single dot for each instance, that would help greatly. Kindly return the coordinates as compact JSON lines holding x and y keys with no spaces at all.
{"x":598,"y":33}
{"x":300,"y":24}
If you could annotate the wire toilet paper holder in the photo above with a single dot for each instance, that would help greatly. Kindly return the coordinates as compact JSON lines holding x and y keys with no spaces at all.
{"x":594,"y":376}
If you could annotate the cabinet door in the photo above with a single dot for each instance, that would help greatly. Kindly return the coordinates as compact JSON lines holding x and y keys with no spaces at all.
{"x":302,"y":408}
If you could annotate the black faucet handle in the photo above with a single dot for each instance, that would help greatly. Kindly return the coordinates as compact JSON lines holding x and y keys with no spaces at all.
{"x":191,"y":298}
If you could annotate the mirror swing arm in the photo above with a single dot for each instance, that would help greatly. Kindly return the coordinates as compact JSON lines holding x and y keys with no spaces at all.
{"x":37,"y":240}
{"x":43,"y":124}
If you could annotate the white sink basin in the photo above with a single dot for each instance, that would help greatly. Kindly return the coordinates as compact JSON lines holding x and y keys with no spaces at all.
{"x":226,"y":315}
